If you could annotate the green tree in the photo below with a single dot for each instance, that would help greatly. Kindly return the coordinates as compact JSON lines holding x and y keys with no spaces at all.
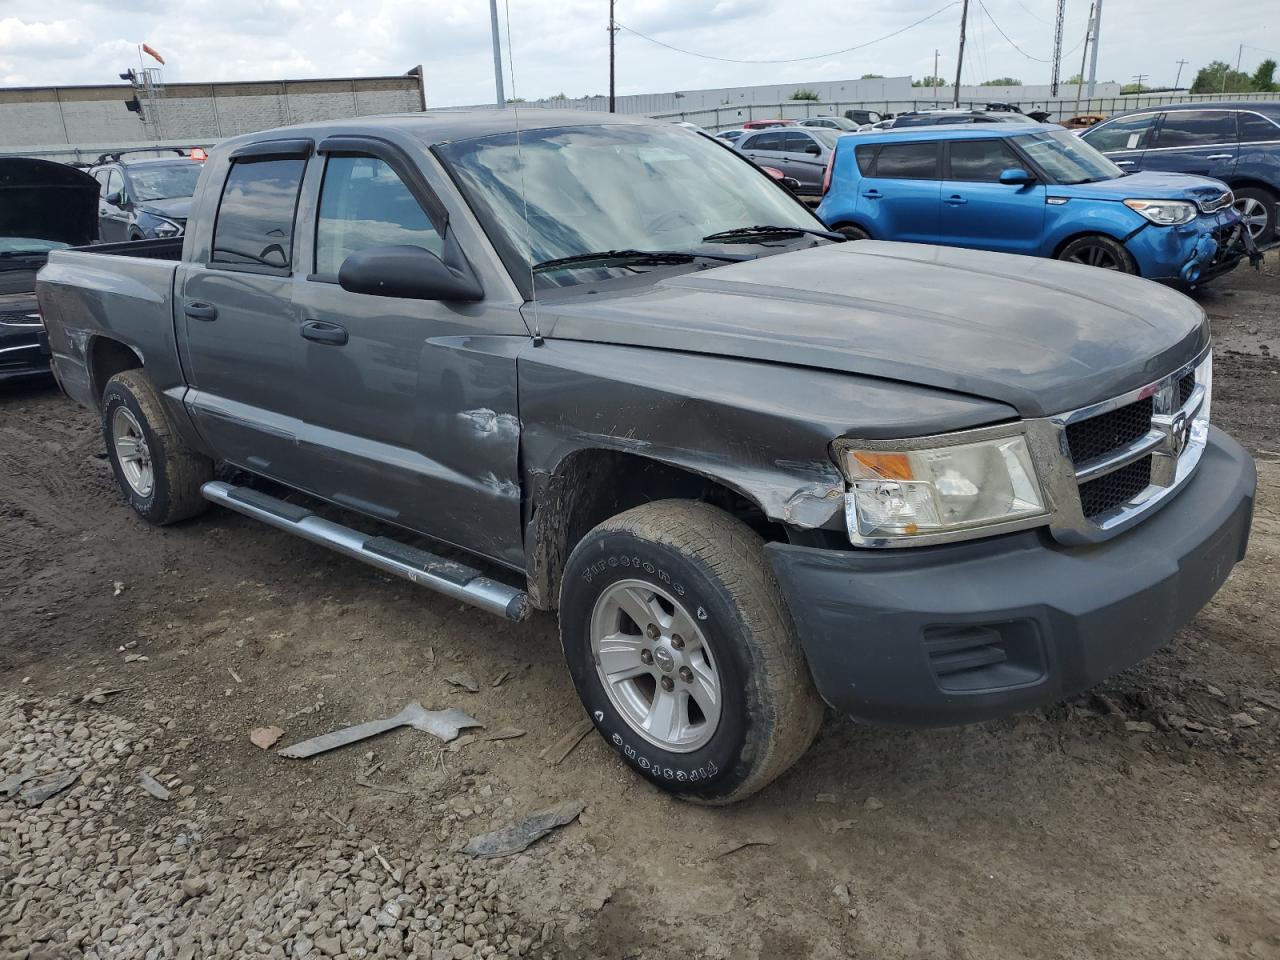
{"x":1075,"y":78}
{"x":804,"y":93}
{"x":1264,"y":78}
{"x":1002,"y":82}
{"x":1218,"y":77}
{"x":558,"y":96}
{"x":872,"y":76}
{"x":930,"y":81}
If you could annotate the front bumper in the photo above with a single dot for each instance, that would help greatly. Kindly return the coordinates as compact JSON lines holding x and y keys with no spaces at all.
{"x":23,"y":353}
{"x":1191,"y":254}
{"x":939,"y":636}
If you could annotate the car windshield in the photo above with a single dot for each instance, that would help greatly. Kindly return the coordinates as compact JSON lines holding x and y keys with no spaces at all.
{"x":1067,"y":158}
{"x":613,"y":187}
{"x":162,"y":181}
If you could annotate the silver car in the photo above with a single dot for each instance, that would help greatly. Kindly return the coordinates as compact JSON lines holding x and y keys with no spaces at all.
{"x":798,"y":152}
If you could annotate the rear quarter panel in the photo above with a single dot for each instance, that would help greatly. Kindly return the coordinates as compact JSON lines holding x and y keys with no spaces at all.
{"x":840,"y":205}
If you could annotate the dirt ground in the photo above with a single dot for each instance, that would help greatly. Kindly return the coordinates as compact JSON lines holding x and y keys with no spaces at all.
{"x":1140,"y":821}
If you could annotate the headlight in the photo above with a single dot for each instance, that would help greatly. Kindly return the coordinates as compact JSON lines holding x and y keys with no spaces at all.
{"x":1166,"y":213}
{"x":166,"y":228}
{"x":934,"y":492}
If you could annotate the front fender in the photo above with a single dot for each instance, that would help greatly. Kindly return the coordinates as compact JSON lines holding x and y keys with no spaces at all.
{"x":1079,"y":217}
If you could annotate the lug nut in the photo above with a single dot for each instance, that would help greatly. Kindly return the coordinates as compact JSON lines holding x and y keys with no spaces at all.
{"x":686,"y":675}
{"x":646,"y":657}
{"x":677,"y":641}
{"x":652,"y":631}
{"x":667,"y":683}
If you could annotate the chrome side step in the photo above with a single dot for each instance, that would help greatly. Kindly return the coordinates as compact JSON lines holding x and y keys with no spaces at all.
{"x":418,"y":566}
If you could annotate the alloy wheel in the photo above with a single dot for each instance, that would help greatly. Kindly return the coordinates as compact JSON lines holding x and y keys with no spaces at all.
{"x":132,"y":452}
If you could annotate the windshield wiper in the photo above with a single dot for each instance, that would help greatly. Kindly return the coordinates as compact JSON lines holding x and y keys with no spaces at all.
{"x":761,"y":234}
{"x":636,"y":257}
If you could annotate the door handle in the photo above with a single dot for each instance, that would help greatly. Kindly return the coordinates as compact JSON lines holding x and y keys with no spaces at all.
{"x":1123,"y":163}
{"x":955,"y":200}
{"x":872,"y":194}
{"x":1219,"y":156}
{"x":199,"y":310}
{"x":321,"y":332}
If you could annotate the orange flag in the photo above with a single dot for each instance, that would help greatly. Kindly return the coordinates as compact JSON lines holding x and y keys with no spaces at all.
{"x":147,"y":48}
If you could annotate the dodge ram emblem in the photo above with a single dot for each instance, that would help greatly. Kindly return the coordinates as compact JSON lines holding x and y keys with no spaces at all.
{"x":1179,"y":434}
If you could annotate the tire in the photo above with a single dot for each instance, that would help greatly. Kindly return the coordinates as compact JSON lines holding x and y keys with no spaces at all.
{"x":701,"y":571}
{"x":853,"y":233}
{"x":1096,"y":250}
{"x":163,"y":483}
{"x":1258,"y":207}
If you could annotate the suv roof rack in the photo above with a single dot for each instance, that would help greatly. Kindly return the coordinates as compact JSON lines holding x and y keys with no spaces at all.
{"x":115,"y":155}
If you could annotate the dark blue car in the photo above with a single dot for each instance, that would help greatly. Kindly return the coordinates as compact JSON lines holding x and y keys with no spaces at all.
{"x":1036,"y":190}
{"x":1236,"y":142}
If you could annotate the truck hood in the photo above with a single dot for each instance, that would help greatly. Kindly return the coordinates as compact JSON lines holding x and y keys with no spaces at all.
{"x":172,"y":208}
{"x":1039,"y":335}
{"x":47,"y":201}
{"x":1146,"y":185}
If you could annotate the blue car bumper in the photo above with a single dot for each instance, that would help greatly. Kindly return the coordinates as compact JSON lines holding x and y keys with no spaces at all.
{"x":1194,"y":253}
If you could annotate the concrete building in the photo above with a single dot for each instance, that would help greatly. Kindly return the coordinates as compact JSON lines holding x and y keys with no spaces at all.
{"x":78,"y":123}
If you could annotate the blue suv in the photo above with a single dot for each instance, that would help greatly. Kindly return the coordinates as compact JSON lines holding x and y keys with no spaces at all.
{"x":1237,"y":143}
{"x":1036,"y":190}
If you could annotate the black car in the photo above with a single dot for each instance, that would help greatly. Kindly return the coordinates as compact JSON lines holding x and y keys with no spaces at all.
{"x":145,"y":198}
{"x":44,"y":206}
{"x":1237,"y":142}
{"x":865,"y":116}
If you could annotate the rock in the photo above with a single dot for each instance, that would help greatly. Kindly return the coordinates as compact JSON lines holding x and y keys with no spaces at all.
{"x":1243,"y":720}
{"x":1139,"y":726}
{"x":464,"y":680}
{"x":841,"y":893}
{"x":873,"y":804}
{"x":328,"y":945}
{"x":194,"y":887}
{"x":1273,"y":844}
{"x":264,"y":738}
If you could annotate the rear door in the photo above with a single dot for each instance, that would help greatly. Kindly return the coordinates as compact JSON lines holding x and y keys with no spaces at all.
{"x":978,"y":210}
{"x":1202,"y":142}
{"x":766,"y":148}
{"x":898,"y":199}
{"x":1124,"y":140}
{"x":236,"y":308}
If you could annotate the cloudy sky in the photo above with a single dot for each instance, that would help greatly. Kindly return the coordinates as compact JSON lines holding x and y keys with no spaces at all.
{"x":561,"y":45}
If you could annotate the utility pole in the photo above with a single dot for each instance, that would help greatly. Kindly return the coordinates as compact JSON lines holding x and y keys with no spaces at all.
{"x":1178,"y":78}
{"x":497,"y":54}
{"x":935,"y":75}
{"x":613,"y":36}
{"x":955,"y":92}
{"x":1084,"y":54}
{"x":1057,"y":48}
{"x":1140,"y":77}
{"x":1093,"y":57}
{"x":1227,"y":72}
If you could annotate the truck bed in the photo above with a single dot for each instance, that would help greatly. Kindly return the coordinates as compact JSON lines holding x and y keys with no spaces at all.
{"x":170,"y":249}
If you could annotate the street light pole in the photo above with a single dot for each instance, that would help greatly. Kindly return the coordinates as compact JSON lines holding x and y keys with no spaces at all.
{"x":613,"y":36}
{"x":964,"y":16}
{"x":497,"y":54}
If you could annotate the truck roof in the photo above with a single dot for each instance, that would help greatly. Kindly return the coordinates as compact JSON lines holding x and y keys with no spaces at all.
{"x":444,"y":126}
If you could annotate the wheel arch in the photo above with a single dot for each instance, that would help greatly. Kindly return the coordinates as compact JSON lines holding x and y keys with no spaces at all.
{"x":107,"y":357}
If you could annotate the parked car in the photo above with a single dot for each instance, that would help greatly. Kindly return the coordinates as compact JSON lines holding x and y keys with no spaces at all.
{"x":731,"y":135}
{"x":1237,"y":142}
{"x":767,"y":124}
{"x":752,"y":467}
{"x":843,"y":124}
{"x":1083,"y":121}
{"x":930,"y":118}
{"x":1038,"y":191}
{"x":145,"y":198}
{"x":44,"y":206}
{"x":799,"y":153}
{"x":791,"y":183}
{"x":861,"y":117}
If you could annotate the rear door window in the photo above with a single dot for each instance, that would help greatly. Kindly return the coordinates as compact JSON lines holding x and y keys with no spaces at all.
{"x":980,"y":160}
{"x":255,"y":215}
{"x":1127,"y":133}
{"x":1255,"y":128}
{"x":764,"y":141}
{"x":1196,"y":128}
{"x":908,"y":161}
{"x":363,"y":204}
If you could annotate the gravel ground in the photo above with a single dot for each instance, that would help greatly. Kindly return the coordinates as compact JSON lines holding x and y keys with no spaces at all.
{"x":1140,"y":821}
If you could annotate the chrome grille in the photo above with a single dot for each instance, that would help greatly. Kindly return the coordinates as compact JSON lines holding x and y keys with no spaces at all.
{"x":1112,"y":490}
{"x":1108,"y":432}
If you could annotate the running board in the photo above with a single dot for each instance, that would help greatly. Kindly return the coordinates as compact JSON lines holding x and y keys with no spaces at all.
{"x":418,"y":566}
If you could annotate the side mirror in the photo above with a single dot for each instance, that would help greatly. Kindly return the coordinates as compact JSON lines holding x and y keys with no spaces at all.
{"x":408,"y":272}
{"x":813,"y":150}
{"x":1016,"y":176}
{"x":115,"y":198}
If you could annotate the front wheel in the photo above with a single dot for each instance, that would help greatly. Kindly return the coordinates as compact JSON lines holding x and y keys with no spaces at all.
{"x":1099,"y":251}
{"x":1258,"y":210}
{"x":853,"y":233}
{"x":680,"y":647}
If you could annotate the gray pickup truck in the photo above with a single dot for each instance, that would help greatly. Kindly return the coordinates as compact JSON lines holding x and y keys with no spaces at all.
{"x":626,"y":377}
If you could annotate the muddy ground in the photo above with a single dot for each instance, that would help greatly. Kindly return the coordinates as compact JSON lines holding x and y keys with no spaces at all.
{"x":1139,"y":822}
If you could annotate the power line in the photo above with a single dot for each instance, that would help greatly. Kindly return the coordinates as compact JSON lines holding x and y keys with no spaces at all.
{"x":821,"y":56}
{"x":1028,"y":9}
{"x":1007,"y":37}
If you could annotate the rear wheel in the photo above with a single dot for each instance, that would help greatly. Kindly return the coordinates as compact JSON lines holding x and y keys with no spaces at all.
{"x":1099,"y":251}
{"x":1258,"y":208}
{"x":680,"y":647}
{"x":159,"y":474}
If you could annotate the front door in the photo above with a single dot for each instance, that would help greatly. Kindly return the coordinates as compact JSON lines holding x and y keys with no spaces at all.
{"x":113,"y":213}
{"x":239,"y":326}
{"x":804,"y":159}
{"x":766,"y":148}
{"x":1124,"y":140}
{"x":1202,"y":142}
{"x":898,"y":199}
{"x":981,"y":212}
{"x":409,"y":414}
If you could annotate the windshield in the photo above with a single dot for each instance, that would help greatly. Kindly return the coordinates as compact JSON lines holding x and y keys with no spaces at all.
{"x":19,"y":245}
{"x":612,"y":187}
{"x":163,"y":181}
{"x":1066,"y":158}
